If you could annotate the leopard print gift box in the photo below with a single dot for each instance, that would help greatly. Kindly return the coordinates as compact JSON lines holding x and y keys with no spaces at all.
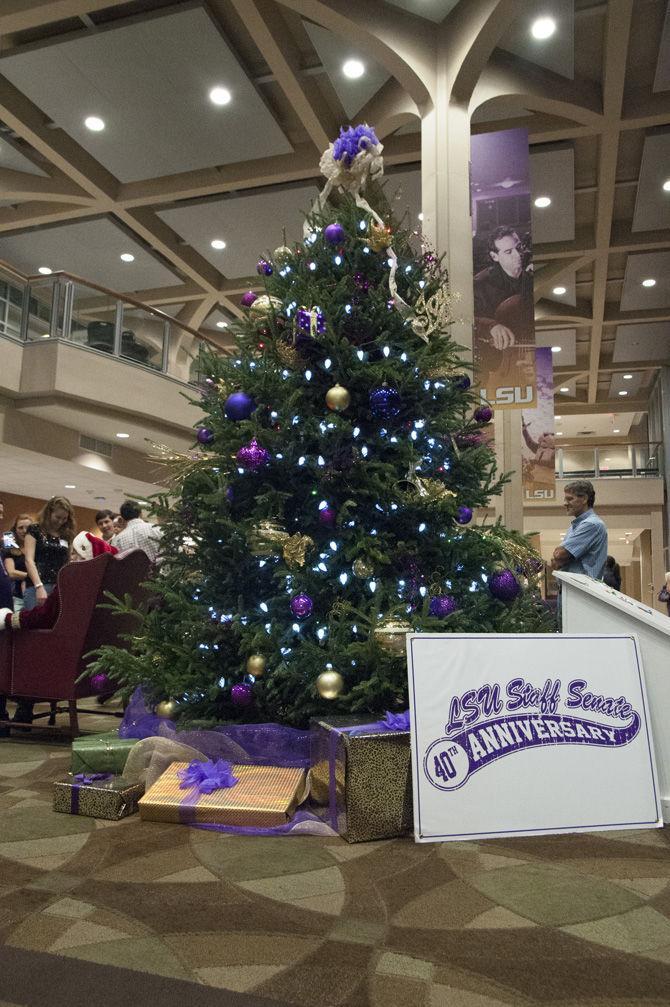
{"x":364,"y":780}
{"x":111,"y":798}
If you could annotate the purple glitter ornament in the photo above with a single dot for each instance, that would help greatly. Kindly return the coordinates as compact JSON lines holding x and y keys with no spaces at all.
{"x":504,"y":586}
{"x":464,"y":515}
{"x":475,"y":439}
{"x":301,"y":606}
{"x":334,"y":234}
{"x":442,"y":605}
{"x":101,"y":683}
{"x":263,"y":267}
{"x":362,"y":282}
{"x":205,"y":435}
{"x":248,"y":299}
{"x":241,"y":694}
{"x":239,"y":406}
{"x":462,"y":381}
{"x":483,"y":414}
{"x":385,"y":402}
{"x":327,"y":516}
{"x":252,"y":456}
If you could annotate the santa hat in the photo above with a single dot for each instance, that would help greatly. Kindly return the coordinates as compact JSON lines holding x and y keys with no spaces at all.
{"x":89,"y":546}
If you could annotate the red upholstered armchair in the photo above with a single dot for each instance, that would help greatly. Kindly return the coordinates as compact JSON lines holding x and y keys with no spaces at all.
{"x":44,"y":664}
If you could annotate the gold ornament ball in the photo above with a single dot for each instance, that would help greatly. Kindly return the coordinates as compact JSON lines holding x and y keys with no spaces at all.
{"x":282,"y":255}
{"x":361,"y":568}
{"x":337,"y":398}
{"x":329,"y":684}
{"x":264,"y":307}
{"x":256,"y":665}
{"x":390,"y":635}
{"x":167,"y":708}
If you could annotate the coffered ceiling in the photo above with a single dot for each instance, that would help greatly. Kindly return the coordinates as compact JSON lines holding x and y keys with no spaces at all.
{"x":171,"y":171}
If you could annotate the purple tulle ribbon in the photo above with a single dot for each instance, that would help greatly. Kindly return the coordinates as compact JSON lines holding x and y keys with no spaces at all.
{"x":87,"y":778}
{"x":391,"y":722}
{"x":207,"y":776}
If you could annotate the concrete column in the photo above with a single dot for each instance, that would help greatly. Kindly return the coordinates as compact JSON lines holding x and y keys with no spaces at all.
{"x":665,"y":408}
{"x":659,"y":563}
{"x":645,"y":567}
{"x":509,"y":505}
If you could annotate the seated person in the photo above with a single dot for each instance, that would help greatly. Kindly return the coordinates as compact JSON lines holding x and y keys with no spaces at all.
{"x":85,"y":546}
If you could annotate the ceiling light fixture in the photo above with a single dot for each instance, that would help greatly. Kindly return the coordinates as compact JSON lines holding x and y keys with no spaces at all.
{"x":564,"y":389}
{"x":666,"y":185}
{"x":127,"y":257}
{"x":556,"y":349}
{"x":649,"y":282}
{"x":123,"y":436}
{"x":94,"y":123}
{"x":45,"y":335}
{"x":218,"y":244}
{"x":623,"y":393}
{"x":559,"y":433}
{"x":220,"y":96}
{"x":222,"y":325}
{"x":45,"y":270}
{"x":559,"y":291}
{"x":542,"y":201}
{"x":420,"y":216}
{"x":628,"y":377}
{"x":70,"y":486}
{"x":616,"y":431}
{"x":353,"y":69}
{"x":543,"y":28}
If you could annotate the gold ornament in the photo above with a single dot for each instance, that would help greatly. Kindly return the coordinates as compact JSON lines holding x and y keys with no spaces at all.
{"x":379,"y":237}
{"x":288,"y":356}
{"x":337,"y":398}
{"x":329,"y":684}
{"x":432,"y":315}
{"x":429,"y":490}
{"x":166,"y":708}
{"x":390,"y":635}
{"x":442,"y":371}
{"x":282,"y":255}
{"x":295,"y":549}
{"x":256,"y":665}
{"x":264,"y":536}
{"x":361,"y":568}
{"x":264,"y":308}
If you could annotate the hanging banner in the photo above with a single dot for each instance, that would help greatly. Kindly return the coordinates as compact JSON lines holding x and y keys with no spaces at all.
{"x":504,"y":325}
{"x":523,"y":735}
{"x":538,"y":449}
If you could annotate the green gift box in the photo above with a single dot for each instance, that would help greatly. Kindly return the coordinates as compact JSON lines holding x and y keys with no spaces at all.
{"x":101,"y":753}
{"x":97,"y":795}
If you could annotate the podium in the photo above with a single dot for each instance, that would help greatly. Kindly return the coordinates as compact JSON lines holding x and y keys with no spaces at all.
{"x":590,"y":606}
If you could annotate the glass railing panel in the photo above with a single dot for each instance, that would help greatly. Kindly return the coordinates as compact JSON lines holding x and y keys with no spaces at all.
{"x":615,"y":460}
{"x":11,"y":307}
{"x":92,"y":317}
{"x":45,"y":310}
{"x":579,"y":463}
{"x":142,"y":336}
{"x":647,"y":457}
{"x":184,"y":359}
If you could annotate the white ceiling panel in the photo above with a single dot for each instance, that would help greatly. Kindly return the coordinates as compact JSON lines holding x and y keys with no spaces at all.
{"x":642,"y":342}
{"x":556,"y":53}
{"x":598,"y":424}
{"x":552,"y":174}
{"x":646,"y":265}
{"x":250,"y":225}
{"x":652,"y":203}
{"x":219,"y":321}
{"x":149,"y":81}
{"x":631,"y":387}
{"x":434,"y":10}
{"x":91,"y":249}
{"x":568,"y":282}
{"x":333,"y":52}
{"x":566,"y":339}
{"x":11,"y":158}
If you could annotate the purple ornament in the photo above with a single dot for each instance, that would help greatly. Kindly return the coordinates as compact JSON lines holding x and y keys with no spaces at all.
{"x":248,"y":299}
{"x":301,"y":606}
{"x":101,"y":683}
{"x":462,"y":382}
{"x":464,"y":515}
{"x":362,"y":282}
{"x":483,"y":414}
{"x":205,"y":435}
{"x":239,"y":406}
{"x":385,"y":402}
{"x":334,"y":234}
{"x":263,"y":267}
{"x":442,"y":605}
{"x":327,"y":516}
{"x":475,"y":439}
{"x":241,"y":694}
{"x":311,"y":321}
{"x":504,"y":586}
{"x":252,"y":456}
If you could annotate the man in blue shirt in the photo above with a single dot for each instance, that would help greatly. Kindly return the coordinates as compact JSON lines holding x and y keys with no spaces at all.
{"x":584,"y":548}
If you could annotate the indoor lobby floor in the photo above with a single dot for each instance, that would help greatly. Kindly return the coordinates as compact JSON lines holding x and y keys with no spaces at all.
{"x":569,"y":920}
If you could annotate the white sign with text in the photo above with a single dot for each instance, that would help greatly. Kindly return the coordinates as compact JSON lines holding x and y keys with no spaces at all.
{"x":517,"y":735}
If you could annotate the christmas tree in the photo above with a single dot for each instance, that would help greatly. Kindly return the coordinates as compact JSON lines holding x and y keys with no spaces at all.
{"x":328,"y":506}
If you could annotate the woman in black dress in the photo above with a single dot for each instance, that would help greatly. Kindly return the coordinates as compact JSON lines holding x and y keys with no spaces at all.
{"x":15,"y":560}
{"x":47,"y":548}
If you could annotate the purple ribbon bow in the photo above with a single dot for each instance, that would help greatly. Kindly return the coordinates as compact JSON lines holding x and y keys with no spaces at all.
{"x":207,"y":776}
{"x":88,"y":778}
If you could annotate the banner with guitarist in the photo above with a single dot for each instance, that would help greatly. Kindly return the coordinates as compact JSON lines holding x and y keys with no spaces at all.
{"x":504,"y":326}
{"x":538,"y":450}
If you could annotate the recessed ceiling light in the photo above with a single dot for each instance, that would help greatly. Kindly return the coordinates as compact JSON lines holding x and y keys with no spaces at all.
{"x":127,"y":257}
{"x":45,"y":270}
{"x":649,"y":282}
{"x":628,"y":377}
{"x":218,"y":244}
{"x":70,"y":486}
{"x":45,"y":335}
{"x":564,"y":389}
{"x":559,"y":433}
{"x":222,"y":325}
{"x":122,"y":436}
{"x":94,"y":123}
{"x":608,"y":459}
{"x":220,"y":96}
{"x":420,"y":216}
{"x":353,"y":69}
{"x":542,"y":201}
{"x":616,"y":431}
{"x":558,"y":417}
{"x":559,"y":291}
{"x":556,"y":349}
{"x":623,"y":393}
{"x":543,"y":28}
{"x":666,"y":185}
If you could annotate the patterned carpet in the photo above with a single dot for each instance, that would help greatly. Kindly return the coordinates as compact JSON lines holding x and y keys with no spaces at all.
{"x":571,"y":920}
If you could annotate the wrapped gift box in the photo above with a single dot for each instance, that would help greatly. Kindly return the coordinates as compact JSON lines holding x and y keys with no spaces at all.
{"x":111,"y":797}
{"x":101,"y":753}
{"x":264,"y":796}
{"x":364,"y":779}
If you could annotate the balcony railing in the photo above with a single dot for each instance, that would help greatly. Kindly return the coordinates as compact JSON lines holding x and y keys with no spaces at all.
{"x":610,"y":461}
{"x":64,"y":306}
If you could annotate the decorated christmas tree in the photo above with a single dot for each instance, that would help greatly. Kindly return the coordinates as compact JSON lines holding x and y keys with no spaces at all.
{"x":327,"y":508}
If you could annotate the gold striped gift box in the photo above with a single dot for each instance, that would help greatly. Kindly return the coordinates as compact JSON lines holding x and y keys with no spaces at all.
{"x":265,"y":796}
